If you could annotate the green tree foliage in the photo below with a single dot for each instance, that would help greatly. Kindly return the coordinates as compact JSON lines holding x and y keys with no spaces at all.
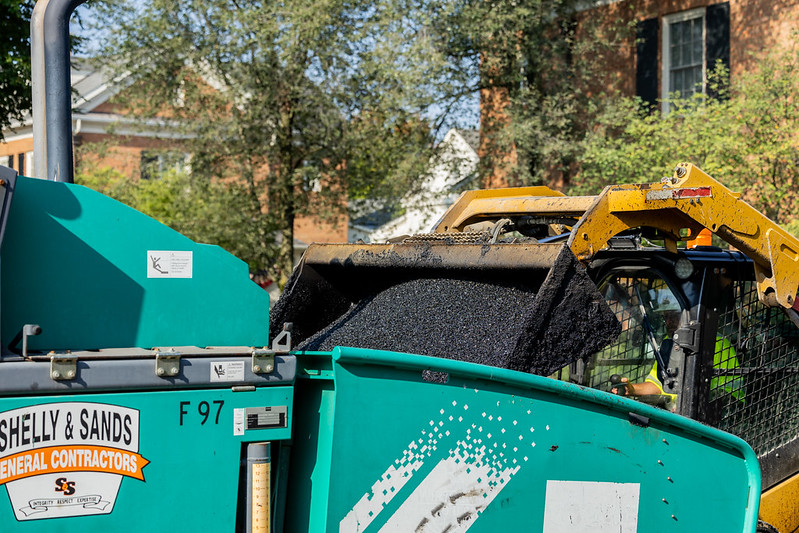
{"x":540,"y":58}
{"x":15,"y":61}
{"x":302,"y":104}
{"x":748,"y":139}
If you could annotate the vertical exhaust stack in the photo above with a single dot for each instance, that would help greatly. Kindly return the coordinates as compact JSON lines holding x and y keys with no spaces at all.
{"x":52,"y":88}
{"x":37,"y":91}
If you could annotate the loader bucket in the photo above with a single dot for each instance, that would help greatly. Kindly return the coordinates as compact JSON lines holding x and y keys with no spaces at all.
{"x":526,"y":307}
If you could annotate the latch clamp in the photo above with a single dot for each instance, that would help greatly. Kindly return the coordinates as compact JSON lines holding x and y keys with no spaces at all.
{"x":167,"y":363}
{"x":263,"y":361}
{"x":63,"y":366}
{"x":687,"y":337}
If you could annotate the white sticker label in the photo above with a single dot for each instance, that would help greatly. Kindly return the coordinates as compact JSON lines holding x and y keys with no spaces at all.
{"x":591,"y":507}
{"x":169,"y":264}
{"x":227,"y":371}
{"x":68,"y":459}
{"x":239,"y":418}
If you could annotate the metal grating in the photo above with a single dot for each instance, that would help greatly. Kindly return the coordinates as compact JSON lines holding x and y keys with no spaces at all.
{"x":631,"y":355}
{"x":754,"y":388}
{"x":455,"y":237}
{"x":626,"y":357}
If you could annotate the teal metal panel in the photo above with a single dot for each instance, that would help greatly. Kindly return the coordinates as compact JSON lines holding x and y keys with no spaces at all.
{"x":80,"y":265}
{"x":495,"y":450}
{"x":189,"y":439}
{"x":311,"y":455}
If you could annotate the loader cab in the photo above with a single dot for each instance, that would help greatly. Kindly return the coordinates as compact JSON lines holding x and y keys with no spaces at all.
{"x":649,"y":312}
{"x":733,"y":362}
{"x":651,"y":304}
{"x":677,"y":314}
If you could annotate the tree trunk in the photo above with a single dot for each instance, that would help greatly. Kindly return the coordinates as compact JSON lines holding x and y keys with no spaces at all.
{"x":285,"y":260}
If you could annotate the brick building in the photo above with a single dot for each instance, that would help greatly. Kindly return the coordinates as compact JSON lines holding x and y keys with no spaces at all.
{"x":677,"y":41}
{"x":674,"y":44}
{"x":95,"y":119}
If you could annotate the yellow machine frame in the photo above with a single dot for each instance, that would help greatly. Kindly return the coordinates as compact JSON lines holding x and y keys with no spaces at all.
{"x":686,"y":203}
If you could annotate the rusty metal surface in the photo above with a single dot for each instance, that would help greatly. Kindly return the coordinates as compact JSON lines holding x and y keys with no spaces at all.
{"x":492,"y":208}
{"x":514,"y":256}
{"x":454,"y":237}
{"x":778,"y":505}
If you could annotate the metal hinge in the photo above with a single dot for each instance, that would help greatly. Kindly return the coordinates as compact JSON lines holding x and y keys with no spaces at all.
{"x":687,"y":337}
{"x":263,"y":359}
{"x":167,"y":363}
{"x":63,"y":366}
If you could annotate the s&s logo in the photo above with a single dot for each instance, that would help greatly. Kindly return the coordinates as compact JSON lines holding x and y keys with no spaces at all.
{"x":67,"y":487}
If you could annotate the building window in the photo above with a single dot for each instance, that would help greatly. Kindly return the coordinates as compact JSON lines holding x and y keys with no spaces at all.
{"x":154,"y":163}
{"x":683,"y":55}
{"x":674,"y":52}
{"x":21,"y":164}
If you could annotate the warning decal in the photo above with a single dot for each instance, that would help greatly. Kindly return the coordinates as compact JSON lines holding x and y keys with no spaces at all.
{"x":169,"y":264}
{"x":68,"y":459}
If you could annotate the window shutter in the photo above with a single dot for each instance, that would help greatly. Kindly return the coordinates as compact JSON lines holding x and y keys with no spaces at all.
{"x":646,"y":74}
{"x":717,"y":41}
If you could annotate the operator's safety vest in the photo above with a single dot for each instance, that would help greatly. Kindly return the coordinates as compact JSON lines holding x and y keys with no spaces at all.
{"x":652,"y":377}
{"x":725,"y":358}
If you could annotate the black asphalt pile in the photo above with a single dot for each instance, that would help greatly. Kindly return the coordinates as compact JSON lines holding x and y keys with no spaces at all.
{"x":507,"y":325}
{"x":569,"y":320}
{"x":309,"y":302}
{"x":453,"y":318}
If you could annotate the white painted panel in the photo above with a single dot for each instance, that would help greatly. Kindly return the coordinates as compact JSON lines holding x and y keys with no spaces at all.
{"x":591,"y":507}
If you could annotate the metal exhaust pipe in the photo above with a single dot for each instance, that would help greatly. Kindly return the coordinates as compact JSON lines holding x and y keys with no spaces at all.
{"x":52,"y":89}
{"x":37,"y":91}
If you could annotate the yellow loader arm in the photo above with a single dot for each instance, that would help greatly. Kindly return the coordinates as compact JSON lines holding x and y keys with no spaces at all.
{"x":680,"y":206}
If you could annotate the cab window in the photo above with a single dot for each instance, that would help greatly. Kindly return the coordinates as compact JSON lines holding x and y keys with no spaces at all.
{"x":649,"y":313}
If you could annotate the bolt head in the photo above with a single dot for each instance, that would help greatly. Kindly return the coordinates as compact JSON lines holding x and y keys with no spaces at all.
{"x":71,"y":374}
{"x":173,"y":371}
{"x":269,"y":368}
{"x":256,"y":368}
{"x":160,"y":371}
{"x":56,"y":374}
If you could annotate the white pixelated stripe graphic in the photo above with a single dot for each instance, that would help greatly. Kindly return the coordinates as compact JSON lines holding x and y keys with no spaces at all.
{"x":388,"y":486}
{"x":488,"y":452}
{"x":452,"y":496}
